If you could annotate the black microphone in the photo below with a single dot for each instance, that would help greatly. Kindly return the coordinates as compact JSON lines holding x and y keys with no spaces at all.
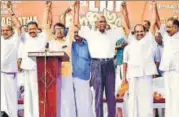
{"x":64,"y":46}
{"x":47,"y":46}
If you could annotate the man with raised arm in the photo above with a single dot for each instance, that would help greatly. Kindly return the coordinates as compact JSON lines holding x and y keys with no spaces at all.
{"x":170,"y":66}
{"x":141,"y":58}
{"x":33,"y":42}
{"x":101,"y":45}
{"x":10,"y":40}
{"x":60,"y":42}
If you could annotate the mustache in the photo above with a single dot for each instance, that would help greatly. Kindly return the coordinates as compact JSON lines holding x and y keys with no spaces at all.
{"x":140,"y":35}
{"x":31,"y":32}
{"x":168,"y":31}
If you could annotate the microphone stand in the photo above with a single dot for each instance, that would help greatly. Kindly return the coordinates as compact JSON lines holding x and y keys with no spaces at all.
{"x":45,"y":80}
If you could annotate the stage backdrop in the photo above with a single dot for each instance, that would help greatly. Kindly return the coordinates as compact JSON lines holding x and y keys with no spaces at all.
{"x":138,"y":11}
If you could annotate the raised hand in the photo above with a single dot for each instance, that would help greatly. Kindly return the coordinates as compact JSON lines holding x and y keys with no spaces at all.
{"x":48,"y":4}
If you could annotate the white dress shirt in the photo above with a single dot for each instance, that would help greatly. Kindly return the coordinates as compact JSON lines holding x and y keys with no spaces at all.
{"x":170,"y":58}
{"x":9,"y":53}
{"x":141,"y":57}
{"x":101,"y":45}
{"x":30,"y":44}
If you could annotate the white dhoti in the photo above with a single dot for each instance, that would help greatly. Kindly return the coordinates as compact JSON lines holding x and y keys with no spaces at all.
{"x":9,"y":94}
{"x":67,"y":97}
{"x":140,"y":97}
{"x":83,"y":98}
{"x":172,"y":94}
{"x":31,"y":96}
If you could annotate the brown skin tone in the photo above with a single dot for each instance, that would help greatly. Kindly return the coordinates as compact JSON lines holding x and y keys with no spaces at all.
{"x":158,"y":38}
{"x":146,"y":25}
{"x":32,"y":30}
{"x":59,"y":32}
{"x":102,"y":24}
{"x":6,"y":32}
{"x":170,"y":28}
{"x":139,"y":32}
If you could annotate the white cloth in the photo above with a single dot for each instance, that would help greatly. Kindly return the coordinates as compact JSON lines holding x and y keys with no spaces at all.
{"x":141,"y":57}
{"x":102,"y":45}
{"x":170,"y":58}
{"x":9,"y":94}
{"x":140,"y":103}
{"x":67,"y":97}
{"x":119,"y":77}
{"x":31,"y":96}
{"x":83,"y":98}
{"x":9,"y":52}
{"x":171,"y":79}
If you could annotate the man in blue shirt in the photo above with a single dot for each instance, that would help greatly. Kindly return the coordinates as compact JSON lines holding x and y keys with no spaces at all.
{"x":120,"y":44}
{"x":81,"y":73}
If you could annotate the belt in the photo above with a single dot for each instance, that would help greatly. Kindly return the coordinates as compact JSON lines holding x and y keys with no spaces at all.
{"x":102,"y":59}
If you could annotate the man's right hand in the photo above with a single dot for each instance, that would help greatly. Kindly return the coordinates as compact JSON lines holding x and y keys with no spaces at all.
{"x":125,"y":80}
{"x":19,"y":65}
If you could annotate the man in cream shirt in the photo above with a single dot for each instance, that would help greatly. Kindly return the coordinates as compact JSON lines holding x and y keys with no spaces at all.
{"x":140,"y":58}
{"x":170,"y":66}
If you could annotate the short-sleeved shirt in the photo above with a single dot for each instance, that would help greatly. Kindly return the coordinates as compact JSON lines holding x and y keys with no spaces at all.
{"x":119,"y":54}
{"x":101,"y":45}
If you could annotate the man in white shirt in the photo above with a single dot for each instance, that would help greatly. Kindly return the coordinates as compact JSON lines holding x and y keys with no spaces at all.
{"x":10,"y":40}
{"x":170,"y":66}
{"x":33,"y":42}
{"x":102,"y":50}
{"x":139,"y":67}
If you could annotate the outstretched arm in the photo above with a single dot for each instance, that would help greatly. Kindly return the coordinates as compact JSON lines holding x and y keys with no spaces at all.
{"x":125,"y":18}
{"x":47,"y":18}
{"x":154,"y":18}
{"x":63,"y":16}
{"x":15,"y":20}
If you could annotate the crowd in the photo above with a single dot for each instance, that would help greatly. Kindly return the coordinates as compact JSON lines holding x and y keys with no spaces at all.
{"x":101,"y":59}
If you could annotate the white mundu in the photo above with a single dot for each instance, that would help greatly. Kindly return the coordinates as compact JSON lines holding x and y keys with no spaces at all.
{"x":31,"y":98}
{"x":140,"y":57}
{"x":8,"y":74}
{"x":170,"y":66}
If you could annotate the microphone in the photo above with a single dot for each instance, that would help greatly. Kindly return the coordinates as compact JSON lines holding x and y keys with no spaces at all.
{"x":47,"y":46}
{"x":64,"y":46}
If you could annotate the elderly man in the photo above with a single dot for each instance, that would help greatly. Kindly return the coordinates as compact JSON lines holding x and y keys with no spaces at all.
{"x":10,"y":40}
{"x":139,"y":67}
{"x":102,"y":50}
{"x":170,"y":66}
